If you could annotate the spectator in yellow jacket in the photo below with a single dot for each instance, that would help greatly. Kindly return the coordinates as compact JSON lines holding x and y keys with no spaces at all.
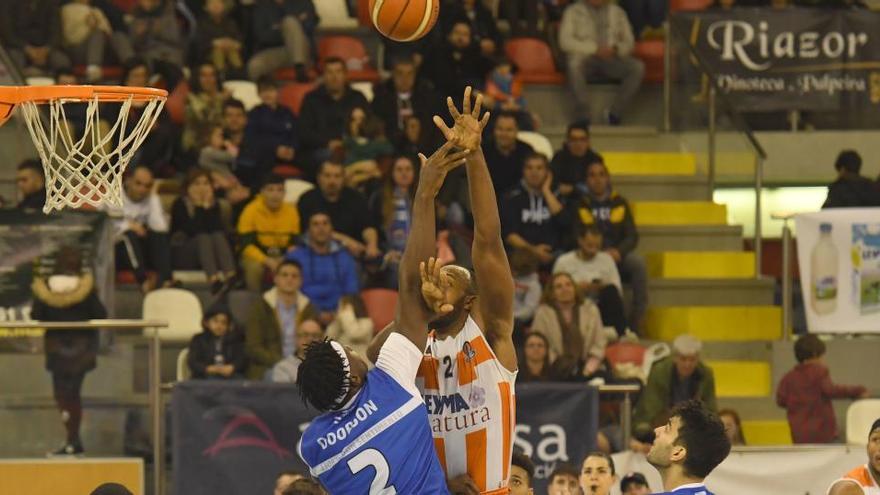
{"x":267,"y":229}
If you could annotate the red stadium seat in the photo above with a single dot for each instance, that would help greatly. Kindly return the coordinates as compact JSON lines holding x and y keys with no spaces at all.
{"x":125,"y":5}
{"x":651,"y":53}
{"x":534,"y":60}
{"x":287,"y":171}
{"x":353,"y":52}
{"x":175,"y":105}
{"x":692,"y":5}
{"x":625,"y":352}
{"x":381,"y":305}
{"x":291,"y":95}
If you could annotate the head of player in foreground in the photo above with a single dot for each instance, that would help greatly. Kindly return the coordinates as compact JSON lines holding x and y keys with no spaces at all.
{"x":689,"y":446}
{"x":330,"y":375}
{"x":455,"y":300}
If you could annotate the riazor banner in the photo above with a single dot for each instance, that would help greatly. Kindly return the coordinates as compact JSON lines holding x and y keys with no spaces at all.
{"x":839,"y":260}
{"x":785,"y":59}
{"x":233,"y":438}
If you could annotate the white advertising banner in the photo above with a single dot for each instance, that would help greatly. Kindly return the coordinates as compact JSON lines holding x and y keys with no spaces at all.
{"x":839,"y":258}
{"x":805,"y":470}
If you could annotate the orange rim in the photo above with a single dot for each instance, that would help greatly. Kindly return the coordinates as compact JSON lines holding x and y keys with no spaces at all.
{"x":14,"y":95}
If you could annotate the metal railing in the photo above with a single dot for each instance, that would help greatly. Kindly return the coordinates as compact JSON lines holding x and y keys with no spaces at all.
{"x":625,"y":409}
{"x":154,"y":371}
{"x":715,"y":97}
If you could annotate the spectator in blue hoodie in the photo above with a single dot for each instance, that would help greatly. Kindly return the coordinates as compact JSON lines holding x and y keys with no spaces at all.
{"x":328,"y":270}
{"x":270,"y":133}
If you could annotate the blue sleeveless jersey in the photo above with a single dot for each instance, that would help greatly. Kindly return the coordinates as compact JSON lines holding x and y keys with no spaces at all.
{"x":380,"y":445}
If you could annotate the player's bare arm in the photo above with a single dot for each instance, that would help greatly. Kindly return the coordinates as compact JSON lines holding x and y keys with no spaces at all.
{"x":412,"y":313}
{"x":493,"y":275}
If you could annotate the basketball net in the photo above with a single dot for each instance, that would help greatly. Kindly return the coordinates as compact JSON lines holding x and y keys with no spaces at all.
{"x":87,"y":171}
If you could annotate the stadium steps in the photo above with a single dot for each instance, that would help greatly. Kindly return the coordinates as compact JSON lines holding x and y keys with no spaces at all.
{"x":555,"y":105}
{"x":654,"y":213}
{"x":660,"y":238}
{"x":662,"y":187}
{"x":724,"y":323}
{"x":648,"y":163}
{"x":712,"y":292}
{"x":741,"y":378}
{"x":761,"y":432}
{"x":701,"y":265}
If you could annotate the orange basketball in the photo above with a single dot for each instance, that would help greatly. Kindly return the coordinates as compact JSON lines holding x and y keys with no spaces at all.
{"x":404,"y":20}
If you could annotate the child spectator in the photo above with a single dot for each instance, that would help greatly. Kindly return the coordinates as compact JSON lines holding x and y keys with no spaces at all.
{"x":198,"y":233}
{"x":527,"y":289}
{"x":364,"y":143}
{"x":217,"y":352}
{"x":155,"y":35}
{"x":535,"y":362}
{"x":506,"y":92}
{"x":204,"y":104}
{"x":806,"y":392}
{"x":392,"y":207}
{"x":573,"y":327}
{"x":218,"y":39}
{"x":86,"y":30}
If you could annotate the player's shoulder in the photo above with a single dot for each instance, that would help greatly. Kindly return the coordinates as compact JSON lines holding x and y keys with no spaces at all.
{"x":859,"y":474}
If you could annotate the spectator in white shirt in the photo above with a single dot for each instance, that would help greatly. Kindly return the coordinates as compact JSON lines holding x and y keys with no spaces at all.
{"x":595,"y":273}
{"x":141,"y":234}
{"x":598,"y":41}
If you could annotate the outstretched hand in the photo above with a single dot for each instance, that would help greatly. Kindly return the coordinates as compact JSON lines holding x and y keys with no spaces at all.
{"x":467,"y":129}
{"x":434,"y":169}
{"x":434,"y":285}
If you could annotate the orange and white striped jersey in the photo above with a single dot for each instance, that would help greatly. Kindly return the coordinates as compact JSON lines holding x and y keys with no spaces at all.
{"x":862,"y":476}
{"x":471,"y":406}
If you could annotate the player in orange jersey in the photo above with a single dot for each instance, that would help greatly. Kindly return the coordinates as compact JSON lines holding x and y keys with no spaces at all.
{"x":865,"y":477}
{"x":468,"y":372}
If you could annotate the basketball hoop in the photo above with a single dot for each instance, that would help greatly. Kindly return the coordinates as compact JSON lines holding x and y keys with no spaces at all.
{"x":86,"y":170}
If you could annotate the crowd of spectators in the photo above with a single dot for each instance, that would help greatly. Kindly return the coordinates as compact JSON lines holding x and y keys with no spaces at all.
{"x":571,"y":236}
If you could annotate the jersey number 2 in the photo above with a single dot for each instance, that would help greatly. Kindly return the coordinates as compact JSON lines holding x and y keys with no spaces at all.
{"x":448,"y":362}
{"x":372,"y":457}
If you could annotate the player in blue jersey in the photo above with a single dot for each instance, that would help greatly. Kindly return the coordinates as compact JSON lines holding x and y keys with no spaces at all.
{"x":688,"y":447}
{"x":374,"y":436}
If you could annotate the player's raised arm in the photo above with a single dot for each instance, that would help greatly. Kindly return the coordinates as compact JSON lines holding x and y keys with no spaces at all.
{"x":412,"y":314}
{"x":493,"y":276}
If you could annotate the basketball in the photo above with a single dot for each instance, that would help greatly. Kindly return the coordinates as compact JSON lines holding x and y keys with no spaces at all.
{"x":404,"y":20}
